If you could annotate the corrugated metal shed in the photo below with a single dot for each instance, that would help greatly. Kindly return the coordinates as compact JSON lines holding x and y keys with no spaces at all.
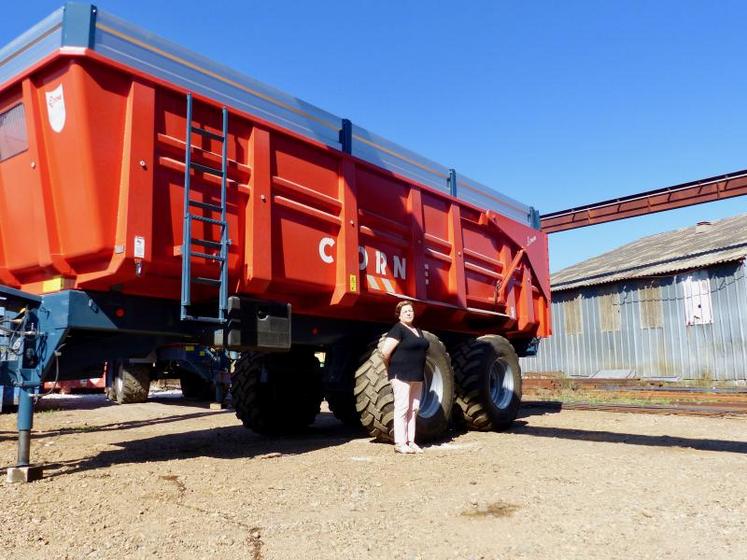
{"x":641,"y":327}
{"x":672,"y":305}
{"x":685,"y":249}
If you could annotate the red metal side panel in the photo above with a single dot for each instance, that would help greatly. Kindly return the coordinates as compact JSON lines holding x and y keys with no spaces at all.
{"x":83,"y":159}
{"x":100,"y":202}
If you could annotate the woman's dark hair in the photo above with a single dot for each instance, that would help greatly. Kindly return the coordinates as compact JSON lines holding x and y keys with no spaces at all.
{"x":399,"y":307}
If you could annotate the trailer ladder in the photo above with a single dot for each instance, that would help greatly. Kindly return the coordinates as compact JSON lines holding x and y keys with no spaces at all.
{"x":205,"y":248}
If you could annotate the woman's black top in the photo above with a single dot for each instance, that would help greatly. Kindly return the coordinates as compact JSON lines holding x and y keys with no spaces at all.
{"x":408,"y":359}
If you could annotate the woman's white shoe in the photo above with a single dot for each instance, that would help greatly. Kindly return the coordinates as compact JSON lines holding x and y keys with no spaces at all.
{"x":404,"y":449}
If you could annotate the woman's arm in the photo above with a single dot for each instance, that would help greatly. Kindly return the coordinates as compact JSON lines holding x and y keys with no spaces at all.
{"x":387,"y":348}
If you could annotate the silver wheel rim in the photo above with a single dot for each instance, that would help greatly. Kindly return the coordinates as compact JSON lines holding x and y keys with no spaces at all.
{"x":501,"y":384}
{"x":118,"y":385}
{"x":432,"y":395}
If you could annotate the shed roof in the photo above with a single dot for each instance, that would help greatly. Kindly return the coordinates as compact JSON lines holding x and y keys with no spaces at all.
{"x":699,"y":246}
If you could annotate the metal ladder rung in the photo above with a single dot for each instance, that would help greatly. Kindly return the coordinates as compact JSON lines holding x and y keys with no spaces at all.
{"x":203,"y":319}
{"x":206,"y":243}
{"x":208,"y":281}
{"x":207,"y":133}
{"x":206,"y":205}
{"x":206,"y":256}
{"x":207,"y":220}
{"x":206,"y":169}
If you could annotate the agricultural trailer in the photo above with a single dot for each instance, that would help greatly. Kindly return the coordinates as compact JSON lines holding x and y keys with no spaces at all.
{"x":152,"y":199}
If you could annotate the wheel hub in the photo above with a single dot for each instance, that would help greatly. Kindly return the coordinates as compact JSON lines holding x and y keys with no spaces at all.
{"x":432,"y":394}
{"x":501,"y":383}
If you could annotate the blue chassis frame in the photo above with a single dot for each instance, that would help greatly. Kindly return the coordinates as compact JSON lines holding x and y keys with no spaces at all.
{"x":35,"y":329}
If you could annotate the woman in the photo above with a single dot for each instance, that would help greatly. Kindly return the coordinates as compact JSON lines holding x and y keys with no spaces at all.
{"x":404,"y":350}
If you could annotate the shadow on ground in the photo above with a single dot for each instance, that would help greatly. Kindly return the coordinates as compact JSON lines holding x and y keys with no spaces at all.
{"x":225,"y":442}
{"x":231,"y":442}
{"x":539,"y":408}
{"x":93,"y":401}
{"x":523,"y":428}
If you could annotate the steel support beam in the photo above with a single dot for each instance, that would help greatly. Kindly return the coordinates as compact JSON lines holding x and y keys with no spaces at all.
{"x":649,"y":202}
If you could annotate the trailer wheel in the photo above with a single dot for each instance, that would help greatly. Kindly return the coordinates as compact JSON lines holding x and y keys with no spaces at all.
{"x":277,"y":393}
{"x":488,"y":382}
{"x":342,"y":405}
{"x":130,"y":383}
{"x":340,"y":363}
{"x":375,"y":399}
{"x":195,"y":388}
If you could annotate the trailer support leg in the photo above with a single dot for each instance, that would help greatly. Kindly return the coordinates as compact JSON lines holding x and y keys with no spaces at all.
{"x":221,"y":381}
{"x":24,"y":471}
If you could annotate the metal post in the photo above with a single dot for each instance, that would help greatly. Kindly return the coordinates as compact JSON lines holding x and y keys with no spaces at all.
{"x":220,"y":379}
{"x":220,"y":390}
{"x":346,"y":136}
{"x":187,"y":229}
{"x":24,"y":448}
{"x":25,"y":422}
{"x":23,"y":471}
{"x":535,"y":218}
{"x":223,"y":291}
{"x":452,"y":181}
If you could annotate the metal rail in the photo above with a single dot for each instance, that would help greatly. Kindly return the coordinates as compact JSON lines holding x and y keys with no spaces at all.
{"x":658,"y":200}
{"x":703,"y":409}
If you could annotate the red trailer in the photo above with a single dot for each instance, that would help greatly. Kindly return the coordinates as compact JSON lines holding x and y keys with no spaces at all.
{"x":136,"y":171}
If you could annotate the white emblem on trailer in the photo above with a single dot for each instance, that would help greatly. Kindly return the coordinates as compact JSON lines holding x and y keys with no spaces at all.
{"x":56,"y":108}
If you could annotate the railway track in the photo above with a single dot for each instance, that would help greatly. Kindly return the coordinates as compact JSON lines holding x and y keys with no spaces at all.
{"x":702,"y":409}
{"x":630,"y":395}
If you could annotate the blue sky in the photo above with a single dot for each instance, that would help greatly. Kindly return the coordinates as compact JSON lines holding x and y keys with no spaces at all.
{"x":556,"y":104}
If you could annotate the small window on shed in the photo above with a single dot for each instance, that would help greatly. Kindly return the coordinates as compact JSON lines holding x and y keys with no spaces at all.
{"x":572,"y":312}
{"x":13,"y":139}
{"x":609,"y":309}
{"x":697,"y":288}
{"x":651,"y":306}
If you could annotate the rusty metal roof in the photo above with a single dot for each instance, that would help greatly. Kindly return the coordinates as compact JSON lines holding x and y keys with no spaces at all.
{"x":690,"y":248}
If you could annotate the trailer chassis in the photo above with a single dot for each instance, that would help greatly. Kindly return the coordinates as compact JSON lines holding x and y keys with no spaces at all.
{"x":63,"y":335}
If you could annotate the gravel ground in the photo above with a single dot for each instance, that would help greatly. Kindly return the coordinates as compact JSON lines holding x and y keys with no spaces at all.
{"x":170,"y":479}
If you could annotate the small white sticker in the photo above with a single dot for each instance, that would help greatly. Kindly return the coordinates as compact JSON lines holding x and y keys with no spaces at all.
{"x":56,"y":108}
{"x":139,"y":247}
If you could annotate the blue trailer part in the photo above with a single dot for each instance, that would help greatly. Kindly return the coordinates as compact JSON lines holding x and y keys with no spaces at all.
{"x":20,"y":350}
{"x":202,"y":371}
{"x":62,"y":335}
{"x":8,"y":397}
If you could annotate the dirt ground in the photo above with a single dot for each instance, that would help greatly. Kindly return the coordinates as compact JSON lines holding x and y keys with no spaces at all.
{"x":172,"y":479}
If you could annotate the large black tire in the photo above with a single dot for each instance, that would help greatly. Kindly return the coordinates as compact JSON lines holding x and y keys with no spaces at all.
{"x":375,"y":399}
{"x":488,"y":382}
{"x":195,"y":388}
{"x":341,"y":361}
{"x":277,"y":393}
{"x":342,"y":405}
{"x":130,"y":383}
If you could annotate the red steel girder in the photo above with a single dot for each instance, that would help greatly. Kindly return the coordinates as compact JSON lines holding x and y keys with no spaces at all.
{"x":649,"y":202}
